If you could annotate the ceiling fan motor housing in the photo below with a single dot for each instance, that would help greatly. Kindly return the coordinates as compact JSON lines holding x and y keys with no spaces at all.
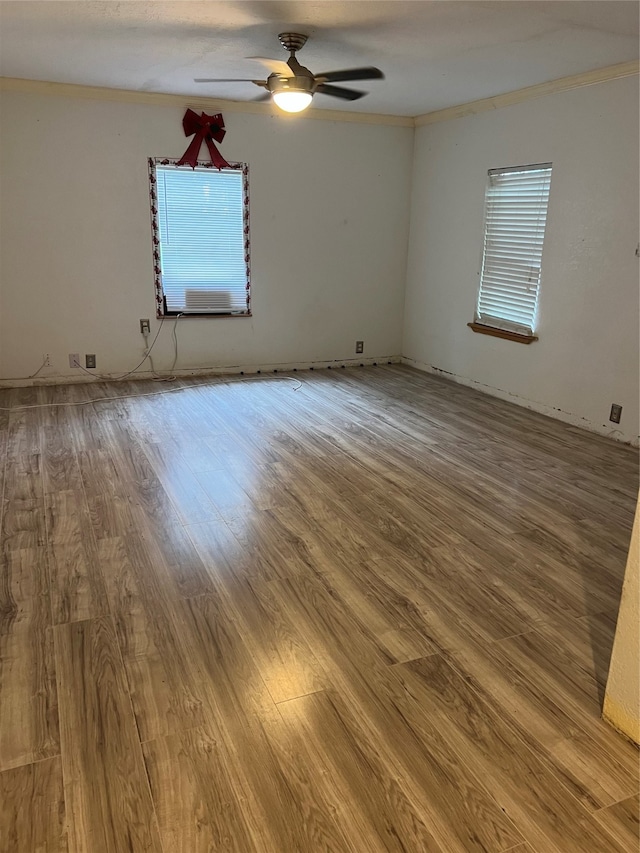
{"x":277,"y":83}
{"x":302,"y":80}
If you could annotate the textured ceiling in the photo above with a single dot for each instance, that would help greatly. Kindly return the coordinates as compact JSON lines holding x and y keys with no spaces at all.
{"x":434,"y":54}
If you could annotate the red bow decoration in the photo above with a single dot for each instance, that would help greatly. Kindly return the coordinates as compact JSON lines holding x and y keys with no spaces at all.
{"x":207,"y":128}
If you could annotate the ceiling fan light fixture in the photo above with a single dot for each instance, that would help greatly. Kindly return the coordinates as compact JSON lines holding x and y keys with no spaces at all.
{"x":292,"y":100}
{"x":292,"y":86}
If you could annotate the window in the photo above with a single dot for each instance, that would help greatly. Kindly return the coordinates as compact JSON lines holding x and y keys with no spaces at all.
{"x":516,"y":204}
{"x":200,"y":220}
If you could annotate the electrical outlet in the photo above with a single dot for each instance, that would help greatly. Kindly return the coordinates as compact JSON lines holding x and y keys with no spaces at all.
{"x":359,"y":346}
{"x":616,"y":413}
{"x":74,"y":359}
{"x":90,"y":360}
{"x":145,"y":327}
{"x":46,"y":361}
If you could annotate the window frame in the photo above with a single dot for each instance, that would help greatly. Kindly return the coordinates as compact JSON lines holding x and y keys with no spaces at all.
{"x":504,"y":327}
{"x":160,"y":301}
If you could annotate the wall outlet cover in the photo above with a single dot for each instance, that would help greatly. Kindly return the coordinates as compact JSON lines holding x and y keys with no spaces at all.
{"x":74,"y":359}
{"x":90,"y":360}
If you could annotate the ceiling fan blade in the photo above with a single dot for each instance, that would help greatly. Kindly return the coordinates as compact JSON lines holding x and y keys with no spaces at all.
{"x":275,"y":66}
{"x":229,"y":80}
{"x":340,"y":92}
{"x":265,"y":97}
{"x":369,"y":73}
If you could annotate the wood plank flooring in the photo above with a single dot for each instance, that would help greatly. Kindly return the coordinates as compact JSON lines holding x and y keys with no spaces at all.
{"x":370,"y":613}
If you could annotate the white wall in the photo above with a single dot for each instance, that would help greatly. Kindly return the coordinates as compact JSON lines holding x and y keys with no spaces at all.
{"x":622,"y":697}
{"x":587,"y":355}
{"x":330,"y":220}
{"x":329,"y":231}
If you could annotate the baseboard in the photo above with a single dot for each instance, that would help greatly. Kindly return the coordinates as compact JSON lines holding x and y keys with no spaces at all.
{"x":533,"y":405}
{"x":80,"y":377}
{"x":623,"y":719}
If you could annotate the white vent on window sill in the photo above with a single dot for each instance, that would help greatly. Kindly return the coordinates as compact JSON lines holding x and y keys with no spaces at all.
{"x":207,"y":301}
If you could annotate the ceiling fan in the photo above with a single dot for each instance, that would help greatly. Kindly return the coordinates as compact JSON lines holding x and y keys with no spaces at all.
{"x":292,"y":86}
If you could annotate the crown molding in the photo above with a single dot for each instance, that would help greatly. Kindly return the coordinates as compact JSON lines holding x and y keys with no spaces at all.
{"x":99,"y":93}
{"x":518,"y":96}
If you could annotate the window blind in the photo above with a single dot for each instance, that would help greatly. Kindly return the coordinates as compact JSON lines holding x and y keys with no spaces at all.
{"x":516,"y":204}
{"x":202,"y":241}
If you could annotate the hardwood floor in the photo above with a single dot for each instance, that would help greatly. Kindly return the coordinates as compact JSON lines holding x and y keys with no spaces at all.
{"x":372,"y":613}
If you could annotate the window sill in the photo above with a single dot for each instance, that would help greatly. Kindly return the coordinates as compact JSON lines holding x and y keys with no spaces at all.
{"x":197,"y":315}
{"x":502,"y":333}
